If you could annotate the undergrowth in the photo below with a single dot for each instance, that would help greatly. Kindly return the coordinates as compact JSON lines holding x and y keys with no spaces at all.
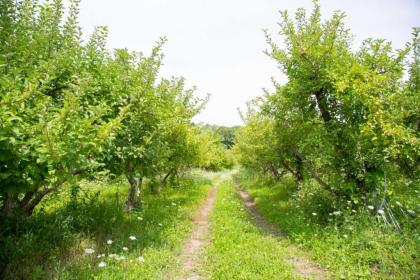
{"x":56,"y":241}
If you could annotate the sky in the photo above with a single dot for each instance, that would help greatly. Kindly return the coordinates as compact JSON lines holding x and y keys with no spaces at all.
{"x":217,"y":45}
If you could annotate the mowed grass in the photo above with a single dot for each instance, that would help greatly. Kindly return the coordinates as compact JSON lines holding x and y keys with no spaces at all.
{"x":238,"y":249}
{"x":353,"y":247}
{"x":52,"y":244}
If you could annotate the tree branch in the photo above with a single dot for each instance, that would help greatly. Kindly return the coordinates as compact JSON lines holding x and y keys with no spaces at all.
{"x":309,"y":167}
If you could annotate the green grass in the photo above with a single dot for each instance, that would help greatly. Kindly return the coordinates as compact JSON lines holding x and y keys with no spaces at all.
{"x":52,"y":243}
{"x":238,"y":249}
{"x":351,"y":247}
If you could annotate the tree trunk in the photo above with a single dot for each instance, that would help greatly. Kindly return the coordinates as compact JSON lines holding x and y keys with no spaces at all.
{"x":139,"y":186}
{"x":133,"y":193}
{"x":274,"y":171}
{"x":322,"y":105}
{"x":30,"y":206}
{"x":11,"y":205}
{"x":163,"y":182}
{"x":296,"y":173}
{"x":342,"y":152}
{"x":299,"y":170}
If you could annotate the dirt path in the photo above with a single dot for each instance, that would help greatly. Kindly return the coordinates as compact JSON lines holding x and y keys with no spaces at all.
{"x":302,"y":266}
{"x":199,"y":236}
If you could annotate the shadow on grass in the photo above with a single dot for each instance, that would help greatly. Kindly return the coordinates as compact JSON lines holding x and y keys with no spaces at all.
{"x":53,"y":240}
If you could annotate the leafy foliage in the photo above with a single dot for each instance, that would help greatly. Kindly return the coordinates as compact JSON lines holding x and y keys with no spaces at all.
{"x":342,"y":118}
{"x":70,"y":110}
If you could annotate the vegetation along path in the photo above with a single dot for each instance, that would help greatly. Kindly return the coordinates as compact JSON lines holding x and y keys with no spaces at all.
{"x":112,"y":170}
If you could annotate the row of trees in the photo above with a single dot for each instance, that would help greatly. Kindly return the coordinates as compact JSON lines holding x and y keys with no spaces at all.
{"x":347,"y":119}
{"x":70,"y":109}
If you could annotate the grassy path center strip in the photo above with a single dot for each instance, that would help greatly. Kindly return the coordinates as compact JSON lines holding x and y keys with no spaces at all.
{"x":238,"y":248}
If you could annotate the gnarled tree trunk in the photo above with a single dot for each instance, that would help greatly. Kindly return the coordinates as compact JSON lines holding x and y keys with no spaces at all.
{"x":133,"y":192}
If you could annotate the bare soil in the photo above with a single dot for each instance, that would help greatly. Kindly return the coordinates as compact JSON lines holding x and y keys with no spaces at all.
{"x":199,"y":236}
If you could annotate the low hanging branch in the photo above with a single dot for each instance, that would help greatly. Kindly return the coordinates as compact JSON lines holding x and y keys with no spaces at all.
{"x":32,"y":199}
{"x":30,"y":206}
{"x":273,"y":171}
{"x":163,"y":182}
{"x":309,"y":167}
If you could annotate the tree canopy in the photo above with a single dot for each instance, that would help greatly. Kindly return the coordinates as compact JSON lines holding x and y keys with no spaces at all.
{"x":70,"y":109}
{"x":346,"y":119}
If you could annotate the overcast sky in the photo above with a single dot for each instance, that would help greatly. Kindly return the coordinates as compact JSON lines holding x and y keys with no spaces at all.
{"x":217,"y":45}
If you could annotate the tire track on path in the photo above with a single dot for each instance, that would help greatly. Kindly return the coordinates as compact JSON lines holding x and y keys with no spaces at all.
{"x":198,"y":237}
{"x":302,"y":266}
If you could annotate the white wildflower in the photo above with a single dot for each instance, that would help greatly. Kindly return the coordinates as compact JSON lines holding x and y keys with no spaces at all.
{"x":109,"y":242}
{"x":141,"y":259}
{"x":411,"y":212}
{"x":132,"y":237}
{"x":102,"y":264}
{"x":140,"y":218}
{"x":354,"y":211}
{"x":111,"y":256}
{"x":345,"y":235}
{"x":313,"y":214}
{"x":89,"y":251}
{"x":173,"y":204}
{"x":336,"y":213}
{"x":125,"y":248}
{"x":380,"y":211}
{"x":120,"y":258}
{"x":371,"y":207}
